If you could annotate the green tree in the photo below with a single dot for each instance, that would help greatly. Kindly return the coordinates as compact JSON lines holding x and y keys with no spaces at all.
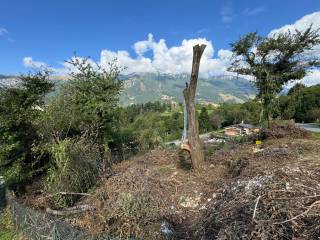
{"x":274,"y":61}
{"x":298,"y":87}
{"x":204,"y":120}
{"x":94,"y":92}
{"x":20,"y":106}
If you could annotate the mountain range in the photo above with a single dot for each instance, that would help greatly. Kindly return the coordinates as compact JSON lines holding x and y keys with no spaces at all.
{"x":150,"y":87}
{"x":146,"y":87}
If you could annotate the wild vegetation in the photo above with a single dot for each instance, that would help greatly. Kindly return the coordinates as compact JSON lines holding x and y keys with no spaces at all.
{"x":70,"y":148}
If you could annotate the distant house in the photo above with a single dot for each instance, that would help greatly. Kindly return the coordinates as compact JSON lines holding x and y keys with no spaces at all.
{"x":241,"y":129}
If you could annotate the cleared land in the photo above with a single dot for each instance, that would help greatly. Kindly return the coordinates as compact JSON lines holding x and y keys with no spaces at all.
{"x":270,"y":192}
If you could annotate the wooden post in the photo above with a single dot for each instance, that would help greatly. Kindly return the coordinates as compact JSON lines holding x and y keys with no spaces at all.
{"x":189,"y":93}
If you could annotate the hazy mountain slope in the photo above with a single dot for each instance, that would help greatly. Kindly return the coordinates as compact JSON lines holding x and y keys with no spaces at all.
{"x":141,"y":88}
{"x":151,"y":87}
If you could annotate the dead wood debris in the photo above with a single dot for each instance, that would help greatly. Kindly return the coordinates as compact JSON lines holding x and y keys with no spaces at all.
{"x":284,"y":204}
{"x":285,"y":131}
{"x":274,"y":196}
{"x":71,"y":211}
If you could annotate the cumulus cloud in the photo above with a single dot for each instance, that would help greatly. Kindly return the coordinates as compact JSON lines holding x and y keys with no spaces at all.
{"x":29,"y":62}
{"x":302,"y":24}
{"x":164,"y":59}
{"x":312,"y":78}
{"x":178,"y":59}
{"x":173,"y":60}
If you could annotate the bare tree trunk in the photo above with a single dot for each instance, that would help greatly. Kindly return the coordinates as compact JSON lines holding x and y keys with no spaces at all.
{"x":189,"y":93}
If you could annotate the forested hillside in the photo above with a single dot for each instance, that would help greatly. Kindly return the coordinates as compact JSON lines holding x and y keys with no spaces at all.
{"x":150,"y":87}
{"x":142,"y":88}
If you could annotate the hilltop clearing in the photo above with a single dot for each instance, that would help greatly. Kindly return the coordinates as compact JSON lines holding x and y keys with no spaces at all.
{"x":243,"y":191}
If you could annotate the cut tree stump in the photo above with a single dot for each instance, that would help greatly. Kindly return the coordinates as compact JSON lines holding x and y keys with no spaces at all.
{"x":189,"y":93}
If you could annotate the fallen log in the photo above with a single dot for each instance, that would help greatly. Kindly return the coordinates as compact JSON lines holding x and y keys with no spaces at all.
{"x":71,"y":211}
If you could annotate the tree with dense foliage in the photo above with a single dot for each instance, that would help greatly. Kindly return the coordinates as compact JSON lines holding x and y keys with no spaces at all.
{"x":20,"y":107}
{"x":301,"y":103}
{"x":274,"y":61}
{"x":87,"y":105}
{"x":77,"y":127}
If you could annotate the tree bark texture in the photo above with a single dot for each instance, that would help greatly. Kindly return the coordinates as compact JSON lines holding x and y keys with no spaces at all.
{"x":189,"y":93}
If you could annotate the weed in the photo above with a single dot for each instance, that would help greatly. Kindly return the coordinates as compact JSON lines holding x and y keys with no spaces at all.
{"x":234,"y":167}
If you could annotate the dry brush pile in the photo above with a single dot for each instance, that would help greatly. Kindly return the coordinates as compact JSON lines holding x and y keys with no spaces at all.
{"x":244,"y":192}
{"x":284,"y":204}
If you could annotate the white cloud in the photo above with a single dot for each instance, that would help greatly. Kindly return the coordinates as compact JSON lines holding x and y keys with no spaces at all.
{"x":141,"y":47}
{"x":29,"y":62}
{"x":253,"y":11}
{"x":174,"y":60}
{"x":312,"y":78}
{"x":301,"y":24}
{"x":178,"y":59}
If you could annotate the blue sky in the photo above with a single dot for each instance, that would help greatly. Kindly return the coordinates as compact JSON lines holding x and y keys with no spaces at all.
{"x":50,"y":31}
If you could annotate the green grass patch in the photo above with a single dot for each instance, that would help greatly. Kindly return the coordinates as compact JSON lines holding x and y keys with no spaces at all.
{"x":316,"y":134}
{"x":7,"y":229}
{"x":6,"y":234}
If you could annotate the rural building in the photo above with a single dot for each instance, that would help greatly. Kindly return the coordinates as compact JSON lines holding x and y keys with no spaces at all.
{"x":241,"y":129}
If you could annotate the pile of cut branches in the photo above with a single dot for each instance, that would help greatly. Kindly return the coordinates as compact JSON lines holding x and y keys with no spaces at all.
{"x":278,"y":130}
{"x":284,"y":204}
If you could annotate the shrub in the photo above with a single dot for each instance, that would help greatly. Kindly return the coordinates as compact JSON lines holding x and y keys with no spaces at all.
{"x":149,"y":139}
{"x":74,"y":169}
{"x":131,"y":213}
{"x":234,"y":167}
{"x":20,"y":107}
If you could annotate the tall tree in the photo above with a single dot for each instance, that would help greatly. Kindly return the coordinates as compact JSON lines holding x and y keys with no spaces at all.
{"x":94,"y":91}
{"x":20,"y":106}
{"x":189,"y":93}
{"x":273,"y":61}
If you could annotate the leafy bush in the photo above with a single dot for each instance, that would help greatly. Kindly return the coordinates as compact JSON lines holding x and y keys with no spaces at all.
{"x":20,"y":106}
{"x":74,"y":169}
